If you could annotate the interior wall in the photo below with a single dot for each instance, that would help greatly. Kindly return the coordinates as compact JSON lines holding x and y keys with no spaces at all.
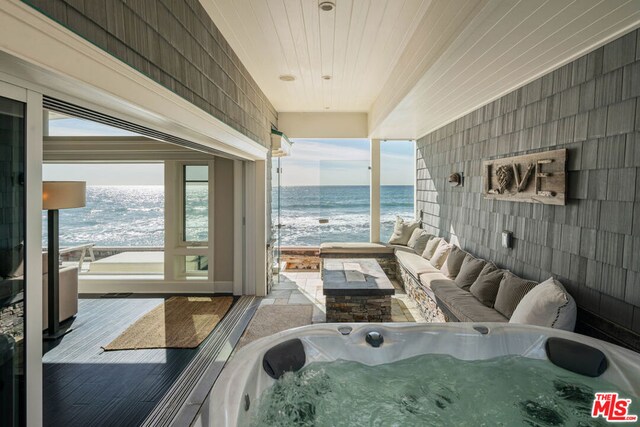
{"x":176,"y":44}
{"x":223,"y":220}
{"x":591,"y":108}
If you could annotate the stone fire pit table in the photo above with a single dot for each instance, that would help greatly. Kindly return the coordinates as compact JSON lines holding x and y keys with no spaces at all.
{"x":356,"y":290}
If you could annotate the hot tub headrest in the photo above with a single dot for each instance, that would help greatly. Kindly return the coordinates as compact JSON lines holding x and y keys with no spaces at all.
{"x":576,"y":357}
{"x":284,"y":357}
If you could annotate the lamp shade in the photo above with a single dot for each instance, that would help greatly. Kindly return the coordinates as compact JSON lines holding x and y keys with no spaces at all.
{"x":64,"y":194}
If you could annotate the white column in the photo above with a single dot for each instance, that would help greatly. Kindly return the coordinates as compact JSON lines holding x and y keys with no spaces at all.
{"x":256,"y":228}
{"x":375,"y":191}
{"x":34,"y":259}
{"x":238,"y":227}
{"x":171,"y":217}
{"x":261,"y":227}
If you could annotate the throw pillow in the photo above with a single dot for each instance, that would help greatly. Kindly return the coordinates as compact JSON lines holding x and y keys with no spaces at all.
{"x":469,"y":271}
{"x":402,"y":232}
{"x":452,"y":265}
{"x":431,"y":247}
{"x":485,"y":288}
{"x":440,"y":255}
{"x":512,"y":290}
{"x":418,"y":240}
{"x":547,"y":304}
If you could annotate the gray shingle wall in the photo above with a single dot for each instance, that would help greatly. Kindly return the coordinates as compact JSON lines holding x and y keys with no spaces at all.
{"x":175,"y":43}
{"x":590,"y":107}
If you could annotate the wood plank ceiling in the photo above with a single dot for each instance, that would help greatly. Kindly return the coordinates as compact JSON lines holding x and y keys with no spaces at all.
{"x":357,"y":44}
{"x":412,"y":65}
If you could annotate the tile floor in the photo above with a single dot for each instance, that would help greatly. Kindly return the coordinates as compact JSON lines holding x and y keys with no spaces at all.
{"x":304,"y":287}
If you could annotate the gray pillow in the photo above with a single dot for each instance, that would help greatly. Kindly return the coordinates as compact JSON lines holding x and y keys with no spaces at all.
{"x":511,"y":291}
{"x":469,"y":271}
{"x":452,"y":265}
{"x":418,"y":240}
{"x":485,"y":288}
{"x":402,"y":232}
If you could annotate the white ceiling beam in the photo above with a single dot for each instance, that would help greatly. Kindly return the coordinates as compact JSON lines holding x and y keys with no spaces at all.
{"x":323,"y":125}
{"x":120,"y":149}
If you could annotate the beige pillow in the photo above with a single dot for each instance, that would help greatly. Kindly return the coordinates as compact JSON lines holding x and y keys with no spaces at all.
{"x":512,"y":290}
{"x":469,"y":271}
{"x":431,"y":247}
{"x":402,"y":232}
{"x":452,"y":265}
{"x":418,"y":240}
{"x":486,"y":286}
{"x":440,"y":255}
{"x":547,"y":304}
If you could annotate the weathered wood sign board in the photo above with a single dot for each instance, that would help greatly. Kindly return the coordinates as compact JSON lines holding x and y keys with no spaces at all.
{"x":533,"y":178}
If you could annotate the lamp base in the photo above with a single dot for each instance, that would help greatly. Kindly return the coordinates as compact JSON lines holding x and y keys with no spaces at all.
{"x":56,"y":335}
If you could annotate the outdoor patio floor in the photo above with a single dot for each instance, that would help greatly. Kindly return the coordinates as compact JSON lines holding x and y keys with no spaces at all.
{"x":303,"y":287}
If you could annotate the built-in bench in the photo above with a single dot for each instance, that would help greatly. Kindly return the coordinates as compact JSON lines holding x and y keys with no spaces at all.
{"x":439,"y":298}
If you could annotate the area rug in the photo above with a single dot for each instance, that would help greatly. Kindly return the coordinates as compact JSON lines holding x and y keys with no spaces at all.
{"x":271,"y":319}
{"x":179,"y":322}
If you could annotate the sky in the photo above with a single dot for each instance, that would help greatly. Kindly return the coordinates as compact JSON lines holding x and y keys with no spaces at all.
{"x":346,"y":162}
{"x":312,"y":161}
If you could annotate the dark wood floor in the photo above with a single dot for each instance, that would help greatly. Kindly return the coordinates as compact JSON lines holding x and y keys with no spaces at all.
{"x":86,"y":386}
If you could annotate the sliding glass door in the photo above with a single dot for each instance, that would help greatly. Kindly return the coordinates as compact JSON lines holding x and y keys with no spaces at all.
{"x":12,"y":273}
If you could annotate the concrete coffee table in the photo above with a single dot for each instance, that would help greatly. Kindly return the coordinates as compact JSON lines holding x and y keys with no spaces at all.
{"x":356,"y":290}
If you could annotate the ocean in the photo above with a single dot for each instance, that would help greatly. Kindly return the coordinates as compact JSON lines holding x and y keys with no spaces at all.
{"x":134,"y":215}
{"x":345,"y":207}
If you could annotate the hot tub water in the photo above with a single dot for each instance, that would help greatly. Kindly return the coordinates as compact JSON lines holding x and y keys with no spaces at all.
{"x":433,"y":390}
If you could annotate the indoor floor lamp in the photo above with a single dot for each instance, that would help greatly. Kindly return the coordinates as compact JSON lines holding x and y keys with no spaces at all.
{"x":57,"y":195}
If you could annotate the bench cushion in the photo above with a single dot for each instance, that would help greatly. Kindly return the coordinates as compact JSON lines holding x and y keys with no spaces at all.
{"x":355,"y":248}
{"x":414,"y":263}
{"x":464,"y":306}
{"x":427,"y":278}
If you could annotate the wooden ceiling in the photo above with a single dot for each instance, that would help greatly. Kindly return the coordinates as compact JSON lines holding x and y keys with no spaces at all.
{"x":357,"y":45}
{"x":412,"y":65}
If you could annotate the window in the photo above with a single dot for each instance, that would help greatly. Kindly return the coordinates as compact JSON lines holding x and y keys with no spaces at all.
{"x":397,"y":166}
{"x":196,"y":204}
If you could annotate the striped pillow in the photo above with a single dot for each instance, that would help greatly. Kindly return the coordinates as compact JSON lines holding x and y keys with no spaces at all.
{"x":511,"y":291}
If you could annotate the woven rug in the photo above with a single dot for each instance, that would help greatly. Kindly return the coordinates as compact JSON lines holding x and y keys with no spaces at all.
{"x":179,"y":322}
{"x":271,"y":319}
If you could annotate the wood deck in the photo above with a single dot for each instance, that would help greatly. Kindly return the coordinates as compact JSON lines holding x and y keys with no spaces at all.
{"x":86,"y":386}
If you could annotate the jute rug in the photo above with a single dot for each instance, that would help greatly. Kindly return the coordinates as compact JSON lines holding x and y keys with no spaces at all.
{"x":179,"y":322}
{"x":271,"y":319}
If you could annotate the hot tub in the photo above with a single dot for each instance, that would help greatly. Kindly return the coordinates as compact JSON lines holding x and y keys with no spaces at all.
{"x":237,"y":393}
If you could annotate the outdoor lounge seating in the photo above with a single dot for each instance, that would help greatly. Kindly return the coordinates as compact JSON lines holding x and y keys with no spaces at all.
{"x":441,"y":299}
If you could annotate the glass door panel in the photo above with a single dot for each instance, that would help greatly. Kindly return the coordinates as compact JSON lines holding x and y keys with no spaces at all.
{"x":12,"y":250}
{"x":276,"y":228}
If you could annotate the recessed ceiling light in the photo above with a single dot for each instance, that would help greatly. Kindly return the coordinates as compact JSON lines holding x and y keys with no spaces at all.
{"x":327,"y":77}
{"x":326,"y":6}
{"x":326,"y":108}
{"x":287,"y":78}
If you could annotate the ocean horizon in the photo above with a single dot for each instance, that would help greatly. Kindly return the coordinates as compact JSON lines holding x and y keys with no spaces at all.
{"x":133,"y":215}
